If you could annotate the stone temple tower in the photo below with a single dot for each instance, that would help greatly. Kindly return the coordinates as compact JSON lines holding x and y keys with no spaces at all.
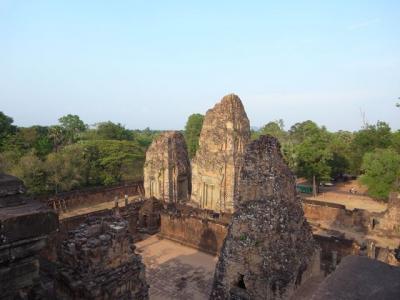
{"x":215,"y":168}
{"x":269,"y":250}
{"x":167,"y":174}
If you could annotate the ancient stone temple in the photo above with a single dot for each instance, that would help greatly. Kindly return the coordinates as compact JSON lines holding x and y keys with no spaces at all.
{"x":98,"y":261}
{"x":24,"y":227}
{"x":167,"y":174}
{"x":269,"y":248}
{"x":391,"y":218}
{"x":215,"y":168}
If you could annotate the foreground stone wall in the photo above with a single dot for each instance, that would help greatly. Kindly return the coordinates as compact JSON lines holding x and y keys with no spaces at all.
{"x":167,"y":174}
{"x":24,"y":227}
{"x":194,"y":228}
{"x":224,"y":136}
{"x":269,"y":249}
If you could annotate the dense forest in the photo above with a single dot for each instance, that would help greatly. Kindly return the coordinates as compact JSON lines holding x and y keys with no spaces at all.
{"x":73,"y":155}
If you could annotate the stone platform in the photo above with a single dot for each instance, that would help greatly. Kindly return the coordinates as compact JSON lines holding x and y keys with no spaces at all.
{"x":174,"y":271}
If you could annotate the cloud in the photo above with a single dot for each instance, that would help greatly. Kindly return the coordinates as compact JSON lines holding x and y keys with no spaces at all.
{"x":365,"y":24}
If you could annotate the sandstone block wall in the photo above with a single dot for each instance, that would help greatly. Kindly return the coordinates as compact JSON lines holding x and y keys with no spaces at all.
{"x":390,"y":221}
{"x":167,"y":173}
{"x":194,"y":229}
{"x":91,"y":196}
{"x":215,"y":167}
{"x":337,"y":215}
{"x":269,"y":249}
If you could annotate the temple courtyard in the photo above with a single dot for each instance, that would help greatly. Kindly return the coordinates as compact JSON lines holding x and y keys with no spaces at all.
{"x":175,"y":271}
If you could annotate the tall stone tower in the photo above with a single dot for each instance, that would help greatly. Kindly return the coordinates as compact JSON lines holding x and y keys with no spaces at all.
{"x":269,"y":249}
{"x":167,"y":174}
{"x":215,"y":168}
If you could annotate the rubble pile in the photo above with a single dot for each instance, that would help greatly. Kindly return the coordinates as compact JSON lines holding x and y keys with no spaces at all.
{"x":98,"y":261}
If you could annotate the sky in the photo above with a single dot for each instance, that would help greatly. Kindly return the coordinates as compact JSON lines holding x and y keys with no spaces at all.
{"x":153,"y":63}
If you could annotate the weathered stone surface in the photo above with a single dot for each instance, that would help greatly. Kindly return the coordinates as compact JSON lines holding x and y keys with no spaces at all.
{"x":360,"y":278}
{"x":198,"y":228}
{"x":215,"y":168}
{"x":269,"y":248}
{"x":149,"y":215}
{"x":24,"y":227}
{"x":390,"y":221}
{"x":98,"y":261}
{"x":10,"y":185}
{"x":167,"y":174}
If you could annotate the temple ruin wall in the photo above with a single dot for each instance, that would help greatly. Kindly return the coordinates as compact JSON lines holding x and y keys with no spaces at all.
{"x":193,"y":231}
{"x":91,"y":196}
{"x":336,"y":215}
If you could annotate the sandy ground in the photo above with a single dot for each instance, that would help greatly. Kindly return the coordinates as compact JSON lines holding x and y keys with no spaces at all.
{"x":340,"y":194}
{"x":351,"y":201}
{"x":174,"y":271}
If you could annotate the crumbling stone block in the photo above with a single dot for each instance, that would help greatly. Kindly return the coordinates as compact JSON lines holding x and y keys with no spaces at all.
{"x":167,"y":174}
{"x":269,"y":248}
{"x":215,"y":168}
{"x":98,"y":261}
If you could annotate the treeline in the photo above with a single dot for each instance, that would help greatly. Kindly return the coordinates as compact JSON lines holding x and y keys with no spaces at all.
{"x":373,"y":153}
{"x":72,"y":155}
{"x":311,"y":151}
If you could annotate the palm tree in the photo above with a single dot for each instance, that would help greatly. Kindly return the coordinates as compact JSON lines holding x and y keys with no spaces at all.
{"x":56,"y":134}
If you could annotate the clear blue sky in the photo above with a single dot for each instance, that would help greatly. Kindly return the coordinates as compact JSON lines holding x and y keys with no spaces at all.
{"x":153,"y":63}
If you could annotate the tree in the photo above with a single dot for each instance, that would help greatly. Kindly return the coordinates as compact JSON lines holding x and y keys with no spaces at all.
{"x":396,"y":141}
{"x":57,"y":136}
{"x":341,"y":153}
{"x":8,"y":159}
{"x":145,"y":137}
{"x":111,"y":131}
{"x":276,"y":129}
{"x":367,"y":140}
{"x":32,"y":171}
{"x":192,"y":132}
{"x":301,"y":131}
{"x":65,"y":168}
{"x":109,"y":161}
{"x":312,"y":152}
{"x":6,"y":127}
{"x":381,"y":172}
{"x":72,"y":126}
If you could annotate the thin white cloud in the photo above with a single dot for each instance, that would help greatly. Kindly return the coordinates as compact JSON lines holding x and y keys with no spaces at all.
{"x":364,"y":24}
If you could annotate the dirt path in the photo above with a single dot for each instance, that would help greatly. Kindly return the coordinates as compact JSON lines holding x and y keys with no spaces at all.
{"x":340,"y":194}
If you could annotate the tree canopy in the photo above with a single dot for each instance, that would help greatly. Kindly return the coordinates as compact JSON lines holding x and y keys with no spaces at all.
{"x":71,"y":155}
{"x":381,"y":169}
{"x":192,"y":132}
